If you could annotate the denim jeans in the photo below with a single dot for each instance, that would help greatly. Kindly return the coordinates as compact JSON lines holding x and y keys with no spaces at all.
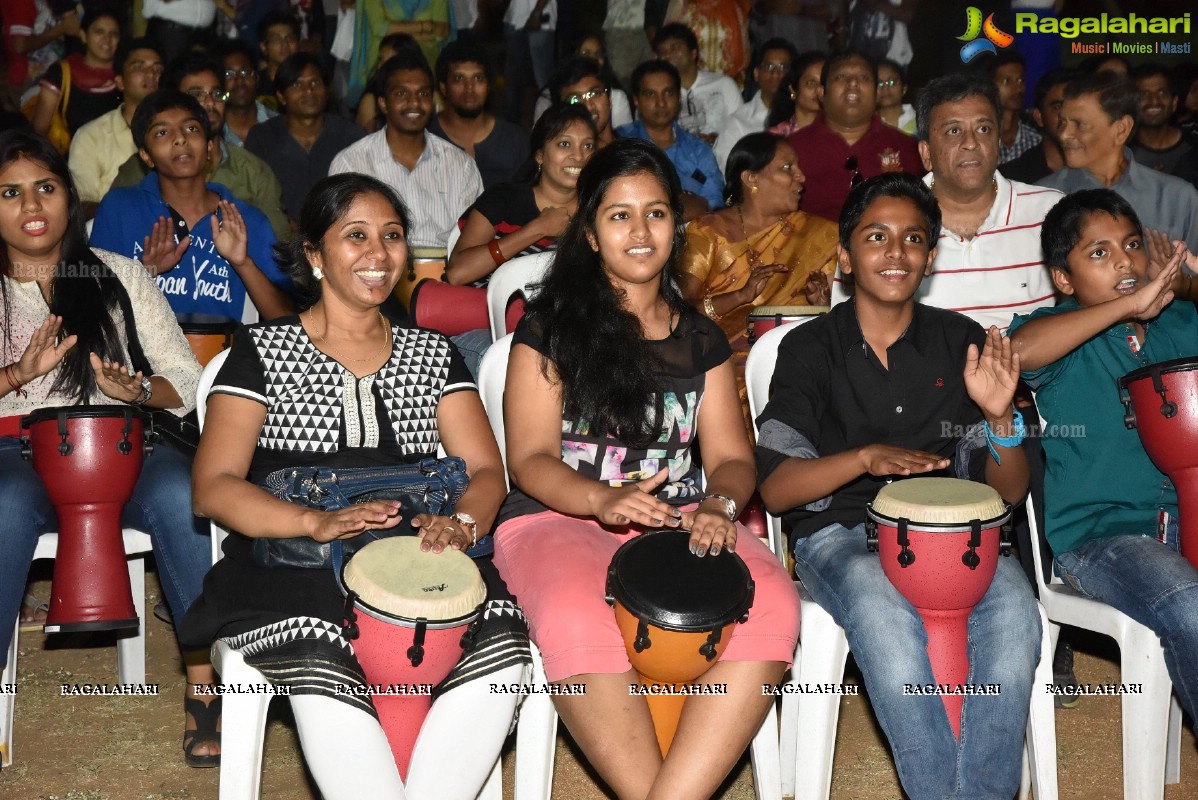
{"x":889,"y":641}
{"x":1154,"y":585}
{"x":160,"y":506}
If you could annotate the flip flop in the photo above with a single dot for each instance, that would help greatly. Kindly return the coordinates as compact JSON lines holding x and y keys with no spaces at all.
{"x":31,"y":609}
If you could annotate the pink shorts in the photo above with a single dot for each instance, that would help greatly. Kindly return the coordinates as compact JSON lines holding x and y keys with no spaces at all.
{"x":556,"y":566}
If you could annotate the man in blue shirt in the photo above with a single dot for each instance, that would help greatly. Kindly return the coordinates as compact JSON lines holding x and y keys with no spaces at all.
{"x":207,"y":248}
{"x":656,"y":89}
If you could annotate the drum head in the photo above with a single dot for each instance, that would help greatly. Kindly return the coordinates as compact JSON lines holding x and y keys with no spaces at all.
{"x":83,"y":412}
{"x":656,"y":577}
{"x":1160,"y":368}
{"x":393,"y":576}
{"x":939,"y":501}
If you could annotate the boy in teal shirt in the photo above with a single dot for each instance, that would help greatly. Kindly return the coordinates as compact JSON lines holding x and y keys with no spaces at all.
{"x":1104,"y":498}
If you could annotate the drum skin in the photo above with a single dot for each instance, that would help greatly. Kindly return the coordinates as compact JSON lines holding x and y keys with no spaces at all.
{"x":765,"y":318}
{"x":89,"y":475}
{"x":1166,"y":417}
{"x":934,"y":574}
{"x":676,"y":613}
{"x":410,"y":594}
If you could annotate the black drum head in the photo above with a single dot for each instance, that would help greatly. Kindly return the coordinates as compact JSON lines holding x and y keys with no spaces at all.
{"x":657,"y":579}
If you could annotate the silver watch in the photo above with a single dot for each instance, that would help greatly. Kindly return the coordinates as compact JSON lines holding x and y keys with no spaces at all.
{"x":467,"y":522}
{"x":147,"y":389}
{"x":729,"y":504}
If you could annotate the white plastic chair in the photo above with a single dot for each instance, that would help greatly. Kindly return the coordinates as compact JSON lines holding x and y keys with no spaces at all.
{"x":130,"y":650}
{"x":1151,"y":719}
{"x":243,"y":716}
{"x":513,"y":276}
{"x":823,"y":650}
{"x":536,"y":733}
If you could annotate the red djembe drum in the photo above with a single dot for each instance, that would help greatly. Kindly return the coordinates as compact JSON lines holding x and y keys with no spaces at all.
{"x":939,"y":540}
{"x":1161,"y":402}
{"x":89,"y":459}
{"x":676,"y":612}
{"x":407,"y":613}
{"x":765,"y":318}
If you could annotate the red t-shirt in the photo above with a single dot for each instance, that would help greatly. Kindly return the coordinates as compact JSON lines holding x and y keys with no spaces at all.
{"x":822,"y":155}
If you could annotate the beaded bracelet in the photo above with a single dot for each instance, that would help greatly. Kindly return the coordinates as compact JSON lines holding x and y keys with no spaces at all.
{"x":1005,"y":441}
{"x":10,"y":376}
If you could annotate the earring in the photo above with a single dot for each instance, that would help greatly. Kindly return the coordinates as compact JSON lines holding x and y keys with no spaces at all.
{"x":753,"y":189}
{"x":318,"y":273}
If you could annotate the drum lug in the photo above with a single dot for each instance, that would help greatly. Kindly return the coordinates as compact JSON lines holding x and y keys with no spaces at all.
{"x":1004,"y":539}
{"x":26,"y":448}
{"x":416,"y":651}
{"x":707,"y":650}
{"x":871,"y":533}
{"x":1129,"y":415}
{"x":350,"y":629}
{"x":64,"y":447}
{"x":970,"y":558}
{"x":1168,"y":407}
{"x":642,"y":642}
{"x":906,"y":556}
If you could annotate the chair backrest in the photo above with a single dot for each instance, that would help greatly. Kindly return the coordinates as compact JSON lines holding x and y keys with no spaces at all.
{"x":207,"y":377}
{"x":514,"y":276}
{"x":492,"y":374}
{"x":759,"y":373}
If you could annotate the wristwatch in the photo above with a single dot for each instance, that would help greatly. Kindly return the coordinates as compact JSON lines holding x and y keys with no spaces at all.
{"x":729,"y":504}
{"x":147,"y":389}
{"x":467,"y":522}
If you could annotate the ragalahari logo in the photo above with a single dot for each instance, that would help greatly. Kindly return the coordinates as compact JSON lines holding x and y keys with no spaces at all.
{"x":973,"y":27}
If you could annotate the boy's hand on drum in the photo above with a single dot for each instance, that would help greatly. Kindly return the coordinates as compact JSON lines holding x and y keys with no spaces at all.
{"x":635,"y":504}
{"x":992,"y":377}
{"x":345,"y":523}
{"x":711,"y":531}
{"x":116,"y":380}
{"x":882,"y":459}
{"x":437,"y":533}
{"x":44,"y":351}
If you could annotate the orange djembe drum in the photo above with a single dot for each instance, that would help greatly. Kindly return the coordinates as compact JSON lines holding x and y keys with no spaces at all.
{"x":1161,"y":403}
{"x":207,"y":334}
{"x":407,"y":613}
{"x":89,"y":459}
{"x":939,"y":541}
{"x":676,"y":612}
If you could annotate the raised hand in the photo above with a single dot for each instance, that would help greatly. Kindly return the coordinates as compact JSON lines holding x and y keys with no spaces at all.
{"x":437,"y":533}
{"x":115,"y":380}
{"x":818,"y":289}
{"x":1160,"y":250}
{"x":882,"y":459}
{"x":229,"y":234}
{"x":1157,"y":293}
{"x":325,"y":526}
{"x":159,"y":252}
{"x":44,"y":352}
{"x":992,"y":377}
{"x":634,"y":503}
{"x":758,"y":276}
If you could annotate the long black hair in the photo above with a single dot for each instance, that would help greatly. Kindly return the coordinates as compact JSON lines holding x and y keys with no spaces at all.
{"x":608,"y":372}
{"x":85,"y":292}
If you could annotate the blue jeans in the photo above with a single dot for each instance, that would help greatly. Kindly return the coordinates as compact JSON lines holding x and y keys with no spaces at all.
{"x":889,"y":641}
{"x":160,"y":506}
{"x":1152,"y":584}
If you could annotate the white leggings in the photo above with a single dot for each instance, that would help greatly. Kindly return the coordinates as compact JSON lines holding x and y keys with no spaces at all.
{"x":350,"y":758}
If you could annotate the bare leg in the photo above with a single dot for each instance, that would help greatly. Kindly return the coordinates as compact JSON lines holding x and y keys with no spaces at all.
{"x":715,"y":730}
{"x":615,"y":731}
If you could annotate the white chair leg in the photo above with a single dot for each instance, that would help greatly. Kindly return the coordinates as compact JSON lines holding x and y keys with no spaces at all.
{"x":131,"y":649}
{"x":243,"y":726}
{"x":8,"y":702}
{"x":493,"y":788}
{"x":1040,"y":751}
{"x":1145,"y":715}
{"x":1173,"y":743}
{"x":825,"y":650}
{"x":788,"y":734}
{"x":536,"y":739}
{"x":767,"y":772}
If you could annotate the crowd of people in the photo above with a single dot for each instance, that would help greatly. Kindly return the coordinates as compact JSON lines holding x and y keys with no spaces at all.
{"x":985,"y":265}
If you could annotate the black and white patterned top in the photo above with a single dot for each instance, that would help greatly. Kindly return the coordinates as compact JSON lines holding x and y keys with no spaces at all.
{"x":317,"y":410}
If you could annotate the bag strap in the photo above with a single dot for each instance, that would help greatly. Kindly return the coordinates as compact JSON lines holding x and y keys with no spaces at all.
{"x":64,"y":95}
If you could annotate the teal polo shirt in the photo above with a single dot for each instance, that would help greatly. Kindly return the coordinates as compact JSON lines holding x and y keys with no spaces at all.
{"x":1100,"y":483}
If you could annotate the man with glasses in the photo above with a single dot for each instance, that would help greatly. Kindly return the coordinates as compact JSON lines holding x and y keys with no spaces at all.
{"x":707,"y":98}
{"x":242,"y":110}
{"x":656,"y":88}
{"x":248,"y":177}
{"x":99,"y":147}
{"x":579,"y":80}
{"x":436,"y":180}
{"x":848,"y":142}
{"x":771,"y":64}
{"x":498,"y":147}
{"x":301,"y":143}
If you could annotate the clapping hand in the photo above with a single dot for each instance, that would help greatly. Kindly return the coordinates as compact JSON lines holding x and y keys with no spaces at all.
{"x":115,"y":380}
{"x":44,"y":351}
{"x":992,"y":377}
{"x":229,"y":234}
{"x":159,"y":252}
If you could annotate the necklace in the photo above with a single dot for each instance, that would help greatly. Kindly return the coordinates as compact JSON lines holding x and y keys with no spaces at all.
{"x":320,"y":338}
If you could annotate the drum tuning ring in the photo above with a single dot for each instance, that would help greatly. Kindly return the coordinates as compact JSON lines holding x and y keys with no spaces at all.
{"x":124,"y":447}
{"x":906,"y":557}
{"x":1168,"y":408}
{"x":65,"y":447}
{"x":970,"y":558}
{"x":871,"y":534}
{"x":642,"y":642}
{"x":707,"y":650}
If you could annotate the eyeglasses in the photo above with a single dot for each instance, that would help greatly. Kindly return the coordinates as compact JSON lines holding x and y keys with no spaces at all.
{"x":216,"y":95}
{"x":775,"y":67}
{"x":850,"y":163}
{"x":312,"y":84}
{"x":244,"y":72}
{"x":591,"y":94}
{"x":887,"y":84}
{"x":141,"y":66}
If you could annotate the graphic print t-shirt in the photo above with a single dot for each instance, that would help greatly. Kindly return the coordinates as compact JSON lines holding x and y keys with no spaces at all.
{"x":695,"y":346}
